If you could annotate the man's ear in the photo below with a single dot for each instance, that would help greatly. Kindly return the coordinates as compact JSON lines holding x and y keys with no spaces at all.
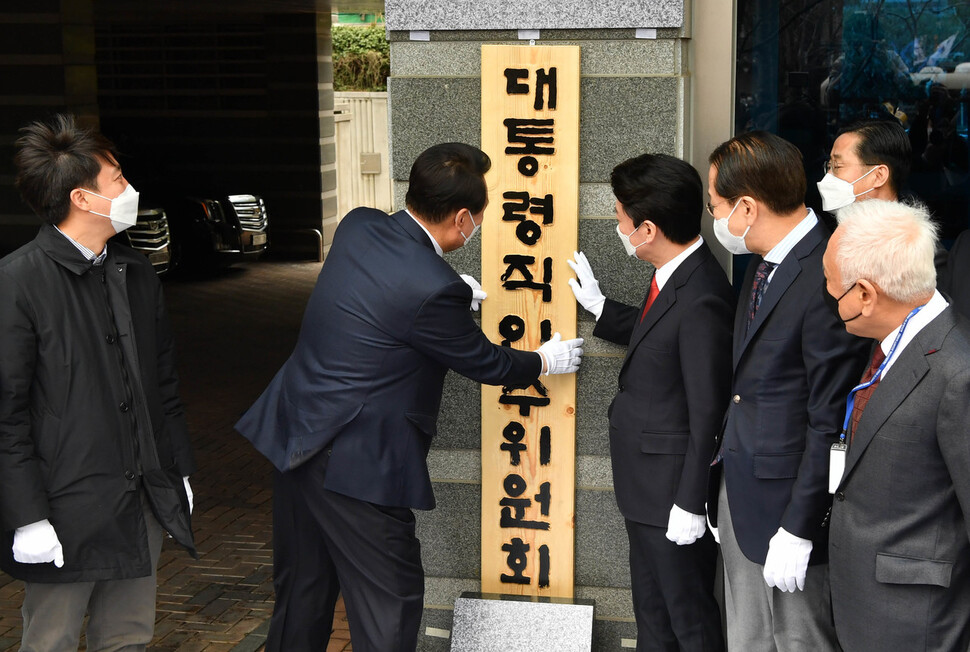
{"x":868,"y":296}
{"x":748,"y":209}
{"x":649,"y":231}
{"x":880,"y":176}
{"x":79,"y":199}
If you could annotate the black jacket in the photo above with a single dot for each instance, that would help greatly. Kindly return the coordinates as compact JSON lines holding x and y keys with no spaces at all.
{"x":81,"y":430}
{"x":387,"y":318}
{"x":673,"y":389}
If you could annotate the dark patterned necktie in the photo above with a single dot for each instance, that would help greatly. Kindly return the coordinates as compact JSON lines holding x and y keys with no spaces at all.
{"x":863,"y":395}
{"x":758,"y":290}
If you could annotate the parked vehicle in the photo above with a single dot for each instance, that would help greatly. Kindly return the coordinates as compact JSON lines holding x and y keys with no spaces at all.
{"x":208,"y":232}
{"x":150,"y":236}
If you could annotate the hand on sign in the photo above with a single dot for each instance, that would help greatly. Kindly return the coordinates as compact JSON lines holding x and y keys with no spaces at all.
{"x":587,"y":290}
{"x":787,"y":561}
{"x":559,"y":356}
{"x":684,"y":528}
{"x":478,"y":295}
{"x":37,"y":543}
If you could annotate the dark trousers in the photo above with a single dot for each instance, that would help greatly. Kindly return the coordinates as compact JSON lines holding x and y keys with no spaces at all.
{"x":325,"y":544}
{"x":673,"y":591}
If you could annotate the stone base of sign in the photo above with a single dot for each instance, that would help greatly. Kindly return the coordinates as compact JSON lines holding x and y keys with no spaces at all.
{"x":486,"y":622}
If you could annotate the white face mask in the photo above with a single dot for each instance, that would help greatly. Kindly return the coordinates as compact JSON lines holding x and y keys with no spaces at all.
{"x":475,"y":227}
{"x":733,"y":243}
{"x":629,"y":247}
{"x":838,"y":193}
{"x":124,"y":208}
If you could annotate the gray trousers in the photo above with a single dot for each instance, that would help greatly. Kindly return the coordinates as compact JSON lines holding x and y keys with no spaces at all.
{"x":763,"y":619}
{"x":121,"y":613}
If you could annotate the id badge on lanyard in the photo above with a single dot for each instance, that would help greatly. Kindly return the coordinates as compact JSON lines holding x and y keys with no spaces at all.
{"x":840,"y":449}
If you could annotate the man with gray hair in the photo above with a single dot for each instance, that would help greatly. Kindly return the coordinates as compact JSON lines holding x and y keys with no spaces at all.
{"x":899,"y":551}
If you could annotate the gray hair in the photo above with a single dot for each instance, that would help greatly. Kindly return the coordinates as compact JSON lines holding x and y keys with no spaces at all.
{"x":891,"y":244}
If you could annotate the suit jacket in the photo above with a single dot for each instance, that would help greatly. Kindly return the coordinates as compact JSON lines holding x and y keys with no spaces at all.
{"x":792,"y":372}
{"x":673,"y":389}
{"x":900,"y":543}
{"x":955,"y":279}
{"x":387,"y":318}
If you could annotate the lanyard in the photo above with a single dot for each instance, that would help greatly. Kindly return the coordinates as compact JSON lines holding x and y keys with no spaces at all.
{"x":876,"y":376}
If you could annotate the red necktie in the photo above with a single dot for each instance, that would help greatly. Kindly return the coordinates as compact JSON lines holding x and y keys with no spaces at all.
{"x":654,"y":291}
{"x":863,"y":395}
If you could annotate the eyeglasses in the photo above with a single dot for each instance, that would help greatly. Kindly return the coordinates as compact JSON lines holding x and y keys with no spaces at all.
{"x":711,"y":207}
{"x":828,"y":167}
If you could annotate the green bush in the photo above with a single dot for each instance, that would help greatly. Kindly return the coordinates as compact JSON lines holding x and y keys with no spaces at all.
{"x":361,"y":58}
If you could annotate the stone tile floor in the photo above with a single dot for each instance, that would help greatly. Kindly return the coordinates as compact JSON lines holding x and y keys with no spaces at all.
{"x":233,"y":329}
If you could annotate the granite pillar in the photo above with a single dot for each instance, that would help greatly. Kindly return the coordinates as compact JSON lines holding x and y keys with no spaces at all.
{"x":634,"y":99}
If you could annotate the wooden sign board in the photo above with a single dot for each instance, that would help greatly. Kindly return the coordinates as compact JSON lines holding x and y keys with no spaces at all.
{"x":530,"y":130}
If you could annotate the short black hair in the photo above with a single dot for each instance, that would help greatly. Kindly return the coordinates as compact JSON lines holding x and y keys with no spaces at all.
{"x":884,"y":142}
{"x":446,"y":178}
{"x":663,"y":189}
{"x":53,"y":158}
{"x":761,"y":165}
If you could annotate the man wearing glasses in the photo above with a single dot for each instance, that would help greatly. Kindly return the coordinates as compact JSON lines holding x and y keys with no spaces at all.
{"x":869,"y":160}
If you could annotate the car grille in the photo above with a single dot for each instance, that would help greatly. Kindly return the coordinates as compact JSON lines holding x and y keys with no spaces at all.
{"x":150,"y":233}
{"x":251,"y":212}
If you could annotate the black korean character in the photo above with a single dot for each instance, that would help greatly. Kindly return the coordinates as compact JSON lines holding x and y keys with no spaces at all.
{"x":528,"y":231}
{"x":530,"y":134}
{"x":543,"y":498}
{"x":525,"y":402}
{"x":512,"y":84}
{"x":545,"y":446}
{"x":516,"y":561}
{"x":513,"y":509}
{"x":520,"y":264}
{"x":543,"y":566}
{"x":512,"y":328}
{"x":513,"y":434}
{"x":548,"y":81}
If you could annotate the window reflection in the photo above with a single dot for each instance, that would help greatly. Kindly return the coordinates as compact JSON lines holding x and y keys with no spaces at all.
{"x":807,"y":68}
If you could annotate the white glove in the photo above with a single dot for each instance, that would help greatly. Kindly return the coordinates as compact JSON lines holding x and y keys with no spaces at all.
{"x":787,"y":561}
{"x":37,"y":543}
{"x":717,"y":538}
{"x":684,"y":528}
{"x":478,"y":295}
{"x":587,"y":290}
{"x":561,"y":357}
{"x":188,"y":492}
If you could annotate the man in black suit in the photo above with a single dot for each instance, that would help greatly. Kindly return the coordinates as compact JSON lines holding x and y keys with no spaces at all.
{"x":349,"y":419}
{"x":793,"y":366}
{"x":673,"y":389}
{"x":899,"y":548}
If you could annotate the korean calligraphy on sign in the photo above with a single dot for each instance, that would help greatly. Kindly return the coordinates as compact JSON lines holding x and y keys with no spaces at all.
{"x":530,"y":130}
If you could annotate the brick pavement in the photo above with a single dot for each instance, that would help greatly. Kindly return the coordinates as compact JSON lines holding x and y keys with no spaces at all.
{"x":233,"y":330}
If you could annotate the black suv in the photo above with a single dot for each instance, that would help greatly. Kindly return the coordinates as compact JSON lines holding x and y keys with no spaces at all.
{"x":211,"y":232}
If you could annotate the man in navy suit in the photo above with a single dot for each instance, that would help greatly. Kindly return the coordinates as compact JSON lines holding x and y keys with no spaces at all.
{"x":349,"y":419}
{"x":673,"y":389}
{"x":793,"y":366}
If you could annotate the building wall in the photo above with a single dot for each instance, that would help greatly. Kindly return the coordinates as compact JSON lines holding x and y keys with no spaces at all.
{"x":201,"y":99}
{"x":634,"y":99}
{"x":47,"y":66}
